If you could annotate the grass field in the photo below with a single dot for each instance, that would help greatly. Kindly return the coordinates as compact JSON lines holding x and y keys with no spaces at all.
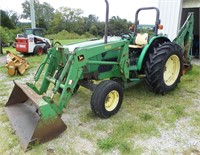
{"x":146,"y":123}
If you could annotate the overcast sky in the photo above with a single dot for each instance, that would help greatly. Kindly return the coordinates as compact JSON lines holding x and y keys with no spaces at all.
{"x":124,"y":9}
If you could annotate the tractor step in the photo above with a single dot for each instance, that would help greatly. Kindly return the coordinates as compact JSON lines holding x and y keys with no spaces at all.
{"x":133,"y":68}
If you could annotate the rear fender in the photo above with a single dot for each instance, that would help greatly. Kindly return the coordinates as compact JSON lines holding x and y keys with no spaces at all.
{"x":153,"y":42}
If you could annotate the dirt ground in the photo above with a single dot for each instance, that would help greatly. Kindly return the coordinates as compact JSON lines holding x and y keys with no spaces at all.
{"x":2,"y":60}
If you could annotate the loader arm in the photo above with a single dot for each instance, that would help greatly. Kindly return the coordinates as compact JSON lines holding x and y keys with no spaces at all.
{"x":34,"y":111}
{"x":81,"y":64}
{"x":184,"y":39}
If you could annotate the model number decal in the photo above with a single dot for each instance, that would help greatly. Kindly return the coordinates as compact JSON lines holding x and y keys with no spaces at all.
{"x":22,"y":46}
{"x":107,"y":47}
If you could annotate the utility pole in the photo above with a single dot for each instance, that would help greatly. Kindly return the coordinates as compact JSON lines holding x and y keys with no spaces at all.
{"x":32,"y":10}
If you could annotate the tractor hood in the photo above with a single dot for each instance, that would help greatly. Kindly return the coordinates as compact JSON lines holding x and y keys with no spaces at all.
{"x":90,"y":43}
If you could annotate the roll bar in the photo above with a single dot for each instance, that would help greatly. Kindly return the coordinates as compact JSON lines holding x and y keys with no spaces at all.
{"x":157,"y":22}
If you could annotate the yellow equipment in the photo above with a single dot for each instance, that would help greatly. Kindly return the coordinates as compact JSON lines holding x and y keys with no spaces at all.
{"x":16,"y":64}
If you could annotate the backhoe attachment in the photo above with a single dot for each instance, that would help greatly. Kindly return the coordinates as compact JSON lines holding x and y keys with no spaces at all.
{"x":184,"y":40}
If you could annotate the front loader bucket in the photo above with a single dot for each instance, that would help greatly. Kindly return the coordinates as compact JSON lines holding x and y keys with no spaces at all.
{"x":31,"y":116}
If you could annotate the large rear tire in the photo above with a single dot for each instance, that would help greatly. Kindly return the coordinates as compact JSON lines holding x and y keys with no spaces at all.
{"x":107,"y":98}
{"x":164,"y":68}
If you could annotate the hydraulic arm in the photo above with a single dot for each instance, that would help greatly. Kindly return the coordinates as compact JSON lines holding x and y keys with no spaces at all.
{"x":184,"y":39}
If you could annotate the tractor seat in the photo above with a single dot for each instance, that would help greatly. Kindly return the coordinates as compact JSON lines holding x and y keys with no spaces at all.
{"x":140,"y":40}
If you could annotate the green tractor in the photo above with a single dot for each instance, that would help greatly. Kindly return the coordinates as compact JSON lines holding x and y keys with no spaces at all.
{"x":106,"y":67}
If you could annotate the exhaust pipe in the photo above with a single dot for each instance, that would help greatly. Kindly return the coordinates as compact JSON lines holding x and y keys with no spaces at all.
{"x":106,"y":22}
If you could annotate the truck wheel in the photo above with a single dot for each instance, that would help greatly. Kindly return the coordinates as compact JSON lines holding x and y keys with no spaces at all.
{"x":107,"y":98}
{"x":164,"y":68}
{"x":38,"y":50}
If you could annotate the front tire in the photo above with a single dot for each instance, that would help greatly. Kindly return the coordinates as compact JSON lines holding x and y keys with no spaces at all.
{"x":107,"y":98}
{"x":164,"y":68}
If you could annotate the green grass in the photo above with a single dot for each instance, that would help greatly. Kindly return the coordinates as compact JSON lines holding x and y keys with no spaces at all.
{"x":123,"y":133}
{"x":145,"y":116}
{"x":146,"y":112}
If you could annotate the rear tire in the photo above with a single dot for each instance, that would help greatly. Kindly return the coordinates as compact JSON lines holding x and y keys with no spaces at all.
{"x":107,"y":98}
{"x":164,"y":68}
{"x":38,"y":50}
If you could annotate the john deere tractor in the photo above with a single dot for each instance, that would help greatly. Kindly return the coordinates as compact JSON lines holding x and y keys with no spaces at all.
{"x":106,"y":67}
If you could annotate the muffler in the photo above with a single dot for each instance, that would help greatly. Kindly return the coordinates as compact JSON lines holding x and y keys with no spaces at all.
{"x":32,"y":118}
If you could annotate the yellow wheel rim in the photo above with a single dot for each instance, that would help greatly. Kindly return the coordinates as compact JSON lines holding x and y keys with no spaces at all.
{"x":172,"y":69}
{"x":112,"y":100}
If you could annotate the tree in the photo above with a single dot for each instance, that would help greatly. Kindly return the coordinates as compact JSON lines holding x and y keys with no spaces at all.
{"x":5,"y":20}
{"x":43,"y":13}
{"x":26,"y":9}
{"x":78,"y":26}
{"x":118,"y":26}
{"x":89,"y":21}
{"x":101,"y":28}
{"x":70,"y":14}
{"x":5,"y":37}
{"x":56,"y":25}
{"x":72,"y":19}
{"x":93,"y":30}
{"x":14,"y":17}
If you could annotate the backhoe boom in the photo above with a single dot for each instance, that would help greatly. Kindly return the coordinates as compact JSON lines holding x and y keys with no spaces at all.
{"x":184,"y":40}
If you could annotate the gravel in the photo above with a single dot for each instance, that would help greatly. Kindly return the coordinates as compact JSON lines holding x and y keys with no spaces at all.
{"x":173,"y":140}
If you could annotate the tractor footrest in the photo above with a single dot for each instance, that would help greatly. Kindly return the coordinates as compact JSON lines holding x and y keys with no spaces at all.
{"x":134,"y":67}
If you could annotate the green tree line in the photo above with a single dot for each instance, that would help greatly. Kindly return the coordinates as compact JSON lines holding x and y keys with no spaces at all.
{"x":64,"y":20}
